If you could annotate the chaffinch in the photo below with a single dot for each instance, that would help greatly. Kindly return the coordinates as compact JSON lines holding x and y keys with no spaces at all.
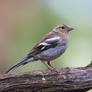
{"x":49,"y":48}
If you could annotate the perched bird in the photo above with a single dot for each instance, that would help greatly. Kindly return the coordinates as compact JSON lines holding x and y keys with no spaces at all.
{"x":49,"y":48}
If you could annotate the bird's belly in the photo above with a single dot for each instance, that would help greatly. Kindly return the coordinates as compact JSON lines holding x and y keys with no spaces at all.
{"x":52,"y":53}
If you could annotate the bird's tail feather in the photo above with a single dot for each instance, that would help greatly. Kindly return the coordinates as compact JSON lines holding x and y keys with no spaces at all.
{"x":22,"y":62}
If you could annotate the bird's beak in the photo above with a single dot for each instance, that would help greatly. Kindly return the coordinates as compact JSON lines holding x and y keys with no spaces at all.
{"x":70,"y":28}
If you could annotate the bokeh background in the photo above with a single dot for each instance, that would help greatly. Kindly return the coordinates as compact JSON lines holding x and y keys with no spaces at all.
{"x":24,"y":22}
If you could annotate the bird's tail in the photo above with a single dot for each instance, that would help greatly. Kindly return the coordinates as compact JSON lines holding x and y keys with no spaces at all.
{"x":22,"y":62}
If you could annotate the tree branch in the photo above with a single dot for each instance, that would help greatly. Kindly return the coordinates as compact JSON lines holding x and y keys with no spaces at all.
{"x":67,"y":80}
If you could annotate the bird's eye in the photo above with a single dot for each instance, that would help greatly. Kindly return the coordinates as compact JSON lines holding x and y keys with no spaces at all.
{"x":62,"y":27}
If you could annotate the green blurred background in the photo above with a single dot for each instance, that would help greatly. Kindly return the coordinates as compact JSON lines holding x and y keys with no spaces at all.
{"x":24,"y":22}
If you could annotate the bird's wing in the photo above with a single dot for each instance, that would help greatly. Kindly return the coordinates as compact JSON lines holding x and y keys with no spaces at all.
{"x":44,"y":45}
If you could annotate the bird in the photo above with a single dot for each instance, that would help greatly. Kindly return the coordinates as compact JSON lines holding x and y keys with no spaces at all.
{"x":52,"y":45}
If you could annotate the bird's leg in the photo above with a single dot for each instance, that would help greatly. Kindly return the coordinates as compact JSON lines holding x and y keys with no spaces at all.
{"x":48,"y":62}
{"x":48,"y":65}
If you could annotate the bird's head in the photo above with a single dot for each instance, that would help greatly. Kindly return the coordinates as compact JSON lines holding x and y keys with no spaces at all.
{"x":63,"y":28}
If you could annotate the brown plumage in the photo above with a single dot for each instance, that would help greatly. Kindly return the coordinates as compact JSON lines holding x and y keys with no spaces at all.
{"x":49,"y":48}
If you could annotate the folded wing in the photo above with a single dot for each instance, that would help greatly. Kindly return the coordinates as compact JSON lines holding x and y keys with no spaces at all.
{"x":44,"y":45}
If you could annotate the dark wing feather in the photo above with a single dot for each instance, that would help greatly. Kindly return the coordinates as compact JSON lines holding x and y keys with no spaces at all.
{"x":49,"y":43}
{"x":36,"y":50}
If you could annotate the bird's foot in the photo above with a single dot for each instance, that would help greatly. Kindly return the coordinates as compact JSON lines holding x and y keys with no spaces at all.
{"x":52,"y":69}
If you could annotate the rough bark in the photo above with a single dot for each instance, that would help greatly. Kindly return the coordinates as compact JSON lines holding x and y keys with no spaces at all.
{"x":67,"y":80}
